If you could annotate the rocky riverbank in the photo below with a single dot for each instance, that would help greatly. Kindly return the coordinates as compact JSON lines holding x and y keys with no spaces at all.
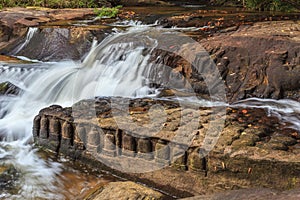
{"x":254,"y":60}
{"x":181,"y":148}
{"x":190,"y":151}
{"x":262,"y":60}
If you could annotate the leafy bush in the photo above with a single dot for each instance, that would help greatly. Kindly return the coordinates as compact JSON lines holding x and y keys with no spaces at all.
{"x":261,"y":5}
{"x":106,"y":12}
{"x":54,"y":3}
{"x":271,"y":5}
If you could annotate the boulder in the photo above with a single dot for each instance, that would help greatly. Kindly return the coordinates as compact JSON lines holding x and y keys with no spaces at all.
{"x":14,"y":22}
{"x":125,"y":190}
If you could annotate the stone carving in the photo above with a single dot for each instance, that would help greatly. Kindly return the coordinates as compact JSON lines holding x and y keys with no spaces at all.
{"x":251,"y":144}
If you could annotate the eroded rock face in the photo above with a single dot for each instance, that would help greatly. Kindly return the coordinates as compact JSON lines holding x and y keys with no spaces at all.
{"x":253,"y":61}
{"x":259,"y":61}
{"x":174,"y":143}
{"x":14,"y":22}
{"x":54,"y":44}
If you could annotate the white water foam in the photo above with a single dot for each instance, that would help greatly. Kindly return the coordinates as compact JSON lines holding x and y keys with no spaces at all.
{"x":288,"y":111}
{"x":111,"y":69}
{"x":115,"y":67}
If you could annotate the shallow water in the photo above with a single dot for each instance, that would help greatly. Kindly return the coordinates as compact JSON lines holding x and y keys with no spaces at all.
{"x":116,"y":67}
{"x":41,"y":175}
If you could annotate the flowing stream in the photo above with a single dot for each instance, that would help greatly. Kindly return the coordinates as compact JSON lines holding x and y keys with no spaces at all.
{"x":118,"y":66}
{"x":112,"y":68}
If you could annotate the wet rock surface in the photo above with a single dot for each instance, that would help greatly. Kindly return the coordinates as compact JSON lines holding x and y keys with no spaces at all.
{"x":54,"y":44}
{"x":54,"y":38}
{"x":8,"y":174}
{"x":15,"y":21}
{"x":253,"y":60}
{"x":260,"y":60}
{"x":7,"y":88}
{"x":175,"y":151}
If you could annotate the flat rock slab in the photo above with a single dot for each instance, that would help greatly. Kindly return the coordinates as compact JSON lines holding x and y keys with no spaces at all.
{"x":33,"y":16}
{"x":170,"y":145}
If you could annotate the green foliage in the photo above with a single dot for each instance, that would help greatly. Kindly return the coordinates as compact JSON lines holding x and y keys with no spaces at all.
{"x":51,"y":3}
{"x":106,"y":12}
{"x":271,"y":5}
{"x":262,"y":5}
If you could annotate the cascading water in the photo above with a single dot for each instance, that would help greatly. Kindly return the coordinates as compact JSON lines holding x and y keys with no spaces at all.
{"x":285,"y":109}
{"x":118,"y":66}
{"x":30,"y":34}
{"x":113,"y":68}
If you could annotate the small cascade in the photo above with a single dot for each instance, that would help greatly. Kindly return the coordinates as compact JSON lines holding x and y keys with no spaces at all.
{"x":115,"y":67}
{"x":288,"y":111}
{"x":21,"y":75}
{"x":119,"y":66}
{"x":30,"y":34}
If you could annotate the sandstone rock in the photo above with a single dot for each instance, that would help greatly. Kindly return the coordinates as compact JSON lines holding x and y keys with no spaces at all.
{"x":56,"y":43}
{"x":260,"y":58}
{"x":253,"y":61}
{"x":248,"y":152}
{"x":126,"y":190}
{"x":14,"y":23}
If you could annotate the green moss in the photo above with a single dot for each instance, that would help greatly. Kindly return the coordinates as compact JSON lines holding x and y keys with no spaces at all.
{"x":293,"y":182}
{"x":3,"y":87}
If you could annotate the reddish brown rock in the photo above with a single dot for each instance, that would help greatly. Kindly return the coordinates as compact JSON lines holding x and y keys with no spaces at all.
{"x":14,"y":22}
{"x":261,"y":60}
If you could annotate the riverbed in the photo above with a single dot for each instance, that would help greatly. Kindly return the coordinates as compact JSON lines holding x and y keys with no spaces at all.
{"x":115,"y":62}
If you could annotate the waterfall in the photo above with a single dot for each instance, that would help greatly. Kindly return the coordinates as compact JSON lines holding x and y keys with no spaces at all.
{"x":116,"y":72}
{"x":118,"y":66}
{"x":115,"y":67}
{"x":30,"y":33}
